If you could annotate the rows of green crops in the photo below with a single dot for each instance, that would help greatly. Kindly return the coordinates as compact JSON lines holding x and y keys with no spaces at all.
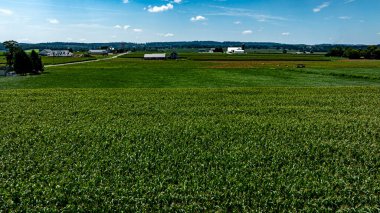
{"x":192,"y":150}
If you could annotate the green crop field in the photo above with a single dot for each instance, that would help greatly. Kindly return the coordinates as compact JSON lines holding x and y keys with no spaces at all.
{"x":192,"y":136}
{"x":64,"y":60}
{"x":243,"y":57}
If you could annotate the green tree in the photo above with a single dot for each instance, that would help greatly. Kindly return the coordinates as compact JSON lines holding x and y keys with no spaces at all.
{"x":376,"y":53}
{"x":352,"y":53}
{"x":37,"y":64}
{"x":12,"y":47}
{"x":173,"y":56}
{"x":22,"y":63}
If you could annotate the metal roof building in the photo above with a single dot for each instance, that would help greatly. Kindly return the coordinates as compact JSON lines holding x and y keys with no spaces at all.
{"x":156,"y":56}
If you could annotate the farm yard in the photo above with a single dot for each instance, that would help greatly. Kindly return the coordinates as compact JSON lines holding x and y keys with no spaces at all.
{"x":203,"y":133}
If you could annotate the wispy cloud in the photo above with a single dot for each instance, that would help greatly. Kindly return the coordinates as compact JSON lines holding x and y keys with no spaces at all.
{"x":166,"y":34}
{"x":321,"y":7}
{"x":344,"y":17}
{"x":242,"y":12}
{"x":285,"y":34}
{"x":137,"y":30}
{"x":349,"y":1}
{"x":247,"y":32}
{"x":6,"y":12}
{"x":53,"y":21}
{"x":197,"y":18}
{"x":125,"y":1}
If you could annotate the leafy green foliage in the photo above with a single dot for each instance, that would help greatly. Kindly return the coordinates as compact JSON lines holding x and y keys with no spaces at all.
{"x":264,"y":149}
{"x":37,"y":64}
{"x":22,"y":63}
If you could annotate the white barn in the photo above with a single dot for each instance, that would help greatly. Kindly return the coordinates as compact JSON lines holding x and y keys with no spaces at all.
{"x":56,"y":53}
{"x":235,"y":50}
{"x":156,"y":56}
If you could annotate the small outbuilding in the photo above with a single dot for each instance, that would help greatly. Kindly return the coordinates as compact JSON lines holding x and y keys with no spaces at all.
{"x":98,"y":52}
{"x":155,"y":56}
{"x":235,"y":50}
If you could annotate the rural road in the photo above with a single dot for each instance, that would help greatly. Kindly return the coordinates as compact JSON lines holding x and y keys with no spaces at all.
{"x":84,"y":62}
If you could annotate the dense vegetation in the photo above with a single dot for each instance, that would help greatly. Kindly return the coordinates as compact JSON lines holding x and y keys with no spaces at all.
{"x":267,"y":149}
{"x":371,"y":52}
{"x":193,"y":135}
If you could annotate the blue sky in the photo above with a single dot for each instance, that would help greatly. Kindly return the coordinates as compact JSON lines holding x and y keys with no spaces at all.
{"x":285,"y":21}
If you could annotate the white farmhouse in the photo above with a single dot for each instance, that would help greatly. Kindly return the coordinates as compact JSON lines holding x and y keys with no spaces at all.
{"x":56,"y":53}
{"x":235,"y":50}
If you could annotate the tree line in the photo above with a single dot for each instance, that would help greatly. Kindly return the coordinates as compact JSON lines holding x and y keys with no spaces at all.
{"x":371,"y":52}
{"x":21,"y":62}
{"x":156,"y":46}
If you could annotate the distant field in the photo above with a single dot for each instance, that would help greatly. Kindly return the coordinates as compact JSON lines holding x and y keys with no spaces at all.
{"x":2,"y":59}
{"x":64,"y":60}
{"x":136,"y":73}
{"x":263,"y":149}
{"x":243,"y":57}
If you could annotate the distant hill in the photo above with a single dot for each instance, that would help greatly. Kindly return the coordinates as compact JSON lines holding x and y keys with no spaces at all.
{"x":155,"y":46}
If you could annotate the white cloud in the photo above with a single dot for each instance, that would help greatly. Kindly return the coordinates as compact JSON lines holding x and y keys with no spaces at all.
{"x":158,"y":9}
{"x":345,"y":17}
{"x":53,"y":21}
{"x":378,"y":33}
{"x":197,"y":18}
{"x":125,"y":1}
{"x":285,"y":33}
{"x":137,"y":30}
{"x":349,"y":1}
{"x":168,"y":35}
{"x":247,"y":32}
{"x":237,"y":22}
{"x":320,"y":7}
{"x":126,"y":27}
{"x":6,"y":12}
{"x":177,"y":1}
{"x":117,"y":27}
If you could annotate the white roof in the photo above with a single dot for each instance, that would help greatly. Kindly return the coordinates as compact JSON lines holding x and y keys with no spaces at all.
{"x":155,"y":55}
{"x":98,"y":51}
{"x":234,"y":48}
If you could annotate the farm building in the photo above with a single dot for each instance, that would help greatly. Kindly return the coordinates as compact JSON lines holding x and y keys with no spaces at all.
{"x":56,"y":53}
{"x":235,"y":50}
{"x":156,"y":56}
{"x":98,"y":52}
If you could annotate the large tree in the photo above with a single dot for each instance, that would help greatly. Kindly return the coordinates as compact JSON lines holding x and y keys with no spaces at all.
{"x":37,"y":64}
{"x":22,"y":63}
{"x":12,"y":47}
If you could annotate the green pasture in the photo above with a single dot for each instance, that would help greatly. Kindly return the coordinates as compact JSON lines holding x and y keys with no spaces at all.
{"x":129,"y":135}
{"x":241,"y":57}
{"x":137,"y":73}
{"x":64,"y":60}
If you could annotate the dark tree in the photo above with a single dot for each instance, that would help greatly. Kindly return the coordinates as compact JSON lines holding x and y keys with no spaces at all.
{"x":173,"y":56}
{"x":22,"y":63}
{"x":376,"y":54}
{"x":352,"y":53}
{"x":284,"y":51}
{"x":218,"y":50}
{"x":12,"y":47}
{"x":71,"y":50}
{"x":337,"y":52}
{"x":37,"y":64}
